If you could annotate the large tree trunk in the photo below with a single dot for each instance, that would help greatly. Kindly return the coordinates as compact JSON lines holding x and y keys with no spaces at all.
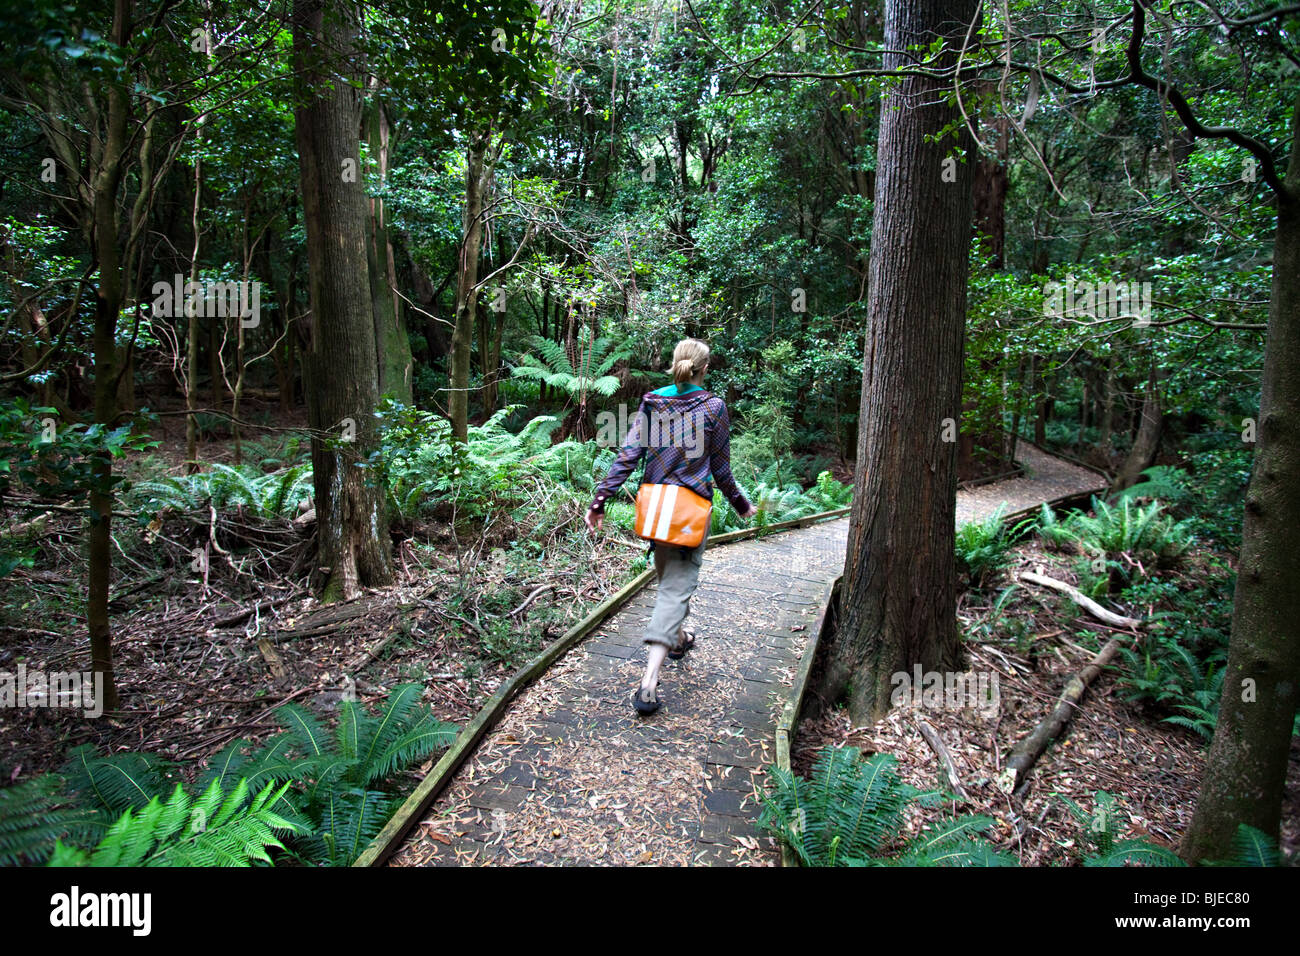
{"x":340,"y":364}
{"x":1247,"y":765}
{"x":898,"y":606}
{"x":462,"y":338}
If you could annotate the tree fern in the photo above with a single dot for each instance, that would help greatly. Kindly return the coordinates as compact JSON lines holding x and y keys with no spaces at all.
{"x":553,"y":366}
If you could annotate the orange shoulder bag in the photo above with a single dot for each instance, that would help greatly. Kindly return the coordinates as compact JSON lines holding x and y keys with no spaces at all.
{"x":672,"y":514}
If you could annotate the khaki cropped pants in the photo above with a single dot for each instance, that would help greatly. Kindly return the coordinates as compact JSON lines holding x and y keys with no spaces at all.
{"x":679,"y":574}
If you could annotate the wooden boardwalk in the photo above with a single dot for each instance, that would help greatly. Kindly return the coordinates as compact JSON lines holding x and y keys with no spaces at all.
{"x":572,"y":776}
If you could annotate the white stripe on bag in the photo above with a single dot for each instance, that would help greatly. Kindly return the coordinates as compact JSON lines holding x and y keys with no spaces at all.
{"x":655,"y":494}
{"x":666,"y":514}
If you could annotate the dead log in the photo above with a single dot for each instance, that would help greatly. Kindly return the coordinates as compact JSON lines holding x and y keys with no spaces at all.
{"x":1081,"y":599}
{"x":272,"y":658}
{"x":945,"y":758}
{"x":1026,"y":753}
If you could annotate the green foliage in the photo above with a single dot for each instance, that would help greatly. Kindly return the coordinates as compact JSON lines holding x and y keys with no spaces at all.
{"x":1102,"y":832}
{"x":57,"y":460}
{"x":330,"y":790}
{"x":768,"y":436}
{"x":982,"y":546}
{"x":1180,"y":666}
{"x":216,"y":829}
{"x":35,"y":814}
{"x":1165,"y":482}
{"x":338,"y":778}
{"x":830,"y":494}
{"x":552,"y":365}
{"x":850,"y":813}
{"x":223,"y":487}
{"x":423,"y":467}
{"x":115,"y":783}
{"x":776,"y":504}
{"x":1138,"y":534}
{"x":1251,"y":847}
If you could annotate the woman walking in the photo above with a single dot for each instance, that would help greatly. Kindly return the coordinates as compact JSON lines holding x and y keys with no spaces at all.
{"x":684,"y":433}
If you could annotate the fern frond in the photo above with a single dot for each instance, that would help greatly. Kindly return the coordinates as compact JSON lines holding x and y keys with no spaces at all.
{"x":305,"y":728}
{"x":174,"y":834}
{"x":35,"y":815}
{"x":1135,"y":851}
{"x":116,"y":782}
{"x":1252,"y":847}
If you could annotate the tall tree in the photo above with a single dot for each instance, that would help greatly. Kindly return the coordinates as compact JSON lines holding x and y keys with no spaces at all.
{"x":340,"y":365}
{"x":478,"y":176}
{"x":393,"y":348}
{"x":1247,"y":767}
{"x":898,"y":603}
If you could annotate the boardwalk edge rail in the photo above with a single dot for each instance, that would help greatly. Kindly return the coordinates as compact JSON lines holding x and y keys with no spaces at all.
{"x":399,"y":825}
{"x":789,"y":719}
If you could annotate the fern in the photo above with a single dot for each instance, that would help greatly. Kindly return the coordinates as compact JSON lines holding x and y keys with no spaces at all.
{"x":270,"y":495}
{"x":342,"y":772}
{"x":553,"y":366}
{"x":850,"y":813}
{"x":117,"y":782}
{"x":35,"y":814}
{"x":982,"y":546}
{"x":1252,"y":847}
{"x":1165,"y":482}
{"x":216,"y":829}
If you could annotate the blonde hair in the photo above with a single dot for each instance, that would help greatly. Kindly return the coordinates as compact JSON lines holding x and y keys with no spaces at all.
{"x":689,"y":358}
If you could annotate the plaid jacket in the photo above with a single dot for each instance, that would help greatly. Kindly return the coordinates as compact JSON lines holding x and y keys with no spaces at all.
{"x":686,"y":440}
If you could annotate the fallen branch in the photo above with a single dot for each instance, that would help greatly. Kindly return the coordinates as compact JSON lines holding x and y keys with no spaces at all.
{"x":529,"y":600}
{"x":1081,"y":599}
{"x":245,"y":614}
{"x":33,"y":526}
{"x":936,"y":744}
{"x":1024,"y":755}
{"x":365,"y":657}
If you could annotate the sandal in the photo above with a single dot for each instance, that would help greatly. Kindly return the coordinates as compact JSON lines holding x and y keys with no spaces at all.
{"x":688,"y":641}
{"x":642,"y":705}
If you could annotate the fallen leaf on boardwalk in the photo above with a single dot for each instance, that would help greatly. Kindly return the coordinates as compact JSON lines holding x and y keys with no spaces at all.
{"x":645,"y":857}
{"x":799,"y":627}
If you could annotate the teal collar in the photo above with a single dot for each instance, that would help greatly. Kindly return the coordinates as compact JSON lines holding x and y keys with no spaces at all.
{"x":672,"y":390}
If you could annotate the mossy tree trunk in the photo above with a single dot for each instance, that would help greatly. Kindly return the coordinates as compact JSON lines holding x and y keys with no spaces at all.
{"x":1247,"y":766}
{"x":462,"y":339}
{"x":392,"y":344}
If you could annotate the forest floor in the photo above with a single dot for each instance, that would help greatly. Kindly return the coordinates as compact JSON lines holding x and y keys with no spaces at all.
{"x":1033,"y":644}
{"x":203,"y":658}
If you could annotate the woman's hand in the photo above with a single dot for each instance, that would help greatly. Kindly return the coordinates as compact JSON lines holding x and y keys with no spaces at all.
{"x":751,"y":512}
{"x":594,"y":520}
